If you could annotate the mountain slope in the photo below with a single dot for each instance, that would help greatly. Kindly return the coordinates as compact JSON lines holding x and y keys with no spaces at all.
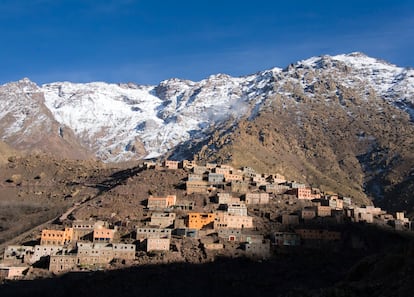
{"x":27,"y":124}
{"x":345,"y":121}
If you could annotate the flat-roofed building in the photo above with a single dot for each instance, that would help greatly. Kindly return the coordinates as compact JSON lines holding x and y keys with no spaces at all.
{"x":162,"y":219}
{"x":157,"y":244}
{"x":196,"y":220}
{"x":145,"y":233}
{"x":161,"y":202}
{"x":225,"y":220}
{"x":257,"y":198}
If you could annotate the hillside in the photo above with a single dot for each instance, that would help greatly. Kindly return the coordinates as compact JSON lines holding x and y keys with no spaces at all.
{"x":344,"y":123}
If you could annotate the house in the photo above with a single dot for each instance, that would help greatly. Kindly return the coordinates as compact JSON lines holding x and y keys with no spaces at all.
{"x":237,"y":209}
{"x":13,"y":272}
{"x":225,"y":220}
{"x":248,"y":172}
{"x":41,"y":251}
{"x":303,"y":193}
{"x":285,"y":239}
{"x":308,"y":213}
{"x":162,"y":219}
{"x":238,"y":186}
{"x":221,"y":170}
{"x":98,"y":254}
{"x":170,"y":164}
{"x":200,"y":170}
{"x":161,"y":202}
{"x":102,"y":234}
{"x":259,"y":180}
{"x":194,"y":177}
{"x":197,"y":186}
{"x":276,"y":188}
{"x":229,"y":234}
{"x":157,"y":244}
{"x":145,"y":233}
{"x":323,"y":211}
{"x":276,"y":179}
{"x":56,"y":237}
{"x":196,"y":220}
{"x":336,"y":203}
{"x":186,"y":164}
{"x":62,"y":263}
{"x":257,"y":198}
{"x":83,"y":230}
{"x":228,"y":177}
{"x":184,"y":204}
{"x":224,"y":198}
{"x":17,"y":254}
{"x":215,"y":178}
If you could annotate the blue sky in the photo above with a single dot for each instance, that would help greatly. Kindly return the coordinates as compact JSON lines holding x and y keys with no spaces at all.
{"x":149,"y":41}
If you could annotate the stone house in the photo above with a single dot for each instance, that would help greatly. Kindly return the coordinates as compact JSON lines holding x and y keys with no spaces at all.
{"x":83,"y":230}
{"x":200,"y":170}
{"x":215,"y":178}
{"x":13,"y":272}
{"x":303,"y":193}
{"x":221,"y":170}
{"x":228,"y":177}
{"x":161,"y":202}
{"x":238,"y":209}
{"x":170,"y":164}
{"x":145,"y":233}
{"x":194,"y":177}
{"x":308,"y":213}
{"x":336,"y":203}
{"x":248,"y":172}
{"x":225,"y":220}
{"x":93,"y":254}
{"x":157,"y":244}
{"x":186,"y":164}
{"x":162,"y":219}
{"x":197,"y":186}
{"x":41,"y":251}
{"x":276,"y":188}
{"x":238,"y":186}
{"x":17,"y":254}
{"x":62,"y":263}
{"x":324,"y":211}
{"x":257,"y":198}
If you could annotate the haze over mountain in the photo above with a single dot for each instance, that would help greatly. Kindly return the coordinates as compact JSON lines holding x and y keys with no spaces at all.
{"x":345,"y":122}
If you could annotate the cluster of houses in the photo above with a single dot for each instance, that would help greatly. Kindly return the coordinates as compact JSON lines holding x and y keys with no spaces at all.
{"x":232,"y":193}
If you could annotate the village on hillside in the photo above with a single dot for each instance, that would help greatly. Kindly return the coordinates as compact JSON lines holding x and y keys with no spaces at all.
{"x":243,"y":214}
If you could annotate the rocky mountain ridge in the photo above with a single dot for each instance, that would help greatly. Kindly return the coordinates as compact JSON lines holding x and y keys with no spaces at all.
{"x":343,"y":120}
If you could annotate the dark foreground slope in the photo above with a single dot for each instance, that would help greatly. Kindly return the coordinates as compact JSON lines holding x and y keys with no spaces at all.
{"x":383,"y":267}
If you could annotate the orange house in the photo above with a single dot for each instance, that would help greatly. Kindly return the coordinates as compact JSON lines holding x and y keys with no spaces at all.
{"x":197,"y":220}
{"x":103,"y":235}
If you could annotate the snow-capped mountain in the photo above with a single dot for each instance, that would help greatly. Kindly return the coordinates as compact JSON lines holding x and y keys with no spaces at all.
{"x":125,"y":121}
{"x":119,"y":122}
